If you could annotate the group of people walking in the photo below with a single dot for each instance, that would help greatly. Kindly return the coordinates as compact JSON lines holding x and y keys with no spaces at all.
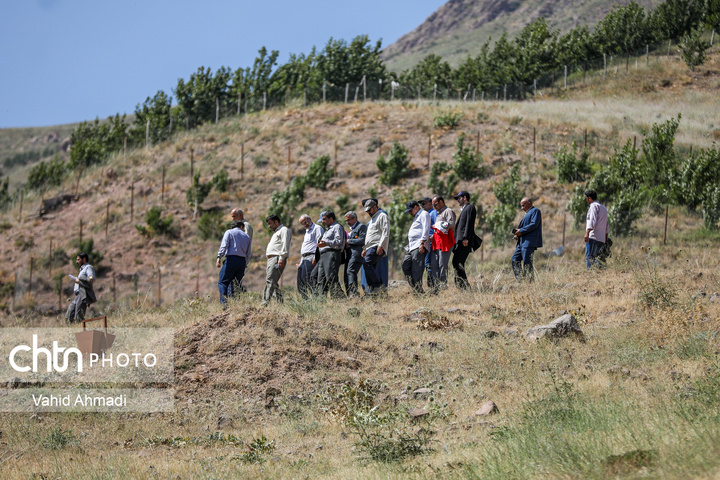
{"x":437,"y":237}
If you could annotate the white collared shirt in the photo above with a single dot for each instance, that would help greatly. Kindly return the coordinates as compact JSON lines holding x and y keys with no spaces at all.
{"x":419,"y":231}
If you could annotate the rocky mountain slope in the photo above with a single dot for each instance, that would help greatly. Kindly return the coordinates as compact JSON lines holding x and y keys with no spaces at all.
{"x":460,"y":27}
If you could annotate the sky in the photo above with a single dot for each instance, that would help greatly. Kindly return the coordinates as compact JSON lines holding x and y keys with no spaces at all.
{"x":65,"y":61}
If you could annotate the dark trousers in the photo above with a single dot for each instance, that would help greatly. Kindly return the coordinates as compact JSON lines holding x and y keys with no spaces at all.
{"x":522,"y":262}
{"x":460,"y":255}
{"x":305,"y":282}
{"x":231,"y":275}
{"x":352,"y":272}
{"x":329,"y":273}
{"x":370,"y":263}
{"x":413,"y":266}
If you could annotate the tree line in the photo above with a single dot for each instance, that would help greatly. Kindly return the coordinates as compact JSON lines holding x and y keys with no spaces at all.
{"x":535,"y":50}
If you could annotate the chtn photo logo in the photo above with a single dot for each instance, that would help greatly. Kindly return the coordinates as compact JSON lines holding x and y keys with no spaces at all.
{"x":58,"y":359}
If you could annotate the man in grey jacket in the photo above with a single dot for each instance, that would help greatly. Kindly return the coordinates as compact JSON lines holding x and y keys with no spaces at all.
{"x":355,"y":243}
{"x":332,"y":248}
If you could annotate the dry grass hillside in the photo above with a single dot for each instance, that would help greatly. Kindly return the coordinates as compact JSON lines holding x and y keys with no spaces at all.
{"x":395,"y":388}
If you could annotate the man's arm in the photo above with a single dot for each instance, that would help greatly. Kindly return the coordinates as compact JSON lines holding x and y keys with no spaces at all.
{"x":384,"y":233}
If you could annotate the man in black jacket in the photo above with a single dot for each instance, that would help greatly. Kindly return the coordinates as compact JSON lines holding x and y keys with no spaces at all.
{"x":464,"y":238}
{"x":354,"y":247}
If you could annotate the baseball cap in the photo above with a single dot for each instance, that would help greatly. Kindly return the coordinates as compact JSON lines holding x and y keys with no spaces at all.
{"x":462,"y":193}
{"x":410,"y":205}
{"x":369,"y":203}
{"x":425,"y":200}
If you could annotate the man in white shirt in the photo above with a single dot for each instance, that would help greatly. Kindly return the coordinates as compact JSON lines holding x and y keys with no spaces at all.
{"x":313,"y":234}
{"x":413,"y":264}
{"x":277,"y":252}
{"x":597,"y":228}
{"x":377,"y":240}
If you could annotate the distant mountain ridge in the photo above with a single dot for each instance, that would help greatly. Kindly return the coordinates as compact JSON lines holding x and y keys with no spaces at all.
{"x":460,"y":27}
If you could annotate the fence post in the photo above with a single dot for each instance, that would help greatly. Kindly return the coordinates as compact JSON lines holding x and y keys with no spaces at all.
{"x":217,"y":110}
{"x":347,"y":90}
{"x":32,"y":262}
{"x":565,"y":77}
{"x":364,"y":84}
{"x":535,"y":88}
{"x":336,"y":160}
{"x":162,"y":188}
{"x":81,"y":228}
{"x":585,"y":142}
{"x":114,"y":290}
{"x":107,"y":219}
{"x":392,"y":91}
{"x":159,"y":294}
{"x":563,"y":237}
{"x":604,"y":66}
{"x":192,"y":164}
{"x":50,"y":260}
{"x":666,"y":222}
{"x":647,"y":54}
{"x":505,"y":92}
{"x":477,"y":141}
{"x":14,"y":290}
{"x":357,"y":90}
{"x":429,"y":148}
{"x":147,"y":135}
{"x":323,"y":91}
{"x":132,"y":199}
{"x":288,"y":164}
{"x":239,"y":102}
{"x":242,"y":161}
{"x":197,"y":280}
{"x":264,"y":101}
{"x":534,"y":144}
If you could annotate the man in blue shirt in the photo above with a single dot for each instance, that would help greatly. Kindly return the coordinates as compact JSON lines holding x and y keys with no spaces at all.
{"x":235,"y":247}
{"x":529,"y":237}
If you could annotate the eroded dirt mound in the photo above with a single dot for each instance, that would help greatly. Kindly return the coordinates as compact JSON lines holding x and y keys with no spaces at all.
{"x":253,"y":350}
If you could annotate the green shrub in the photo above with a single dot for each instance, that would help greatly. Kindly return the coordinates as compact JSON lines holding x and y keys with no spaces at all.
{"x":58,"y":439}
{"x":343,"y":203}
{"x":156,"y":224}
{"x":396,"y":166}
{"x":198,"y":192}
{"x":571,"y":166}
{"x":448,"y":120}
{"x":468,"y":163}
{"x":439,"y":185}
{"x":220,"y":181}
{"x":694,"y":48}
{"x":256,"y":450}
{"x":508,"y":193}
{"x":318,"y":174}
{"x":212,"y":225}
{"x":284,"y":202}
{"x":95,"y":257}
{"x":47,"y":174}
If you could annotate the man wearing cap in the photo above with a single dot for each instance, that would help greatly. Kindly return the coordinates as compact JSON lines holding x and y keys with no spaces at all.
{"x":355,"y":243}
{"x":277,"y":252}
{"x":377,"y":240}
{"x":313,"y":233}
{"x":426,"y":204}
{"x":529,"y":238}
{"x":235,"y":247}
{"x":443,"y":241}
{"x":464,"y":238}
{"x":597,"y":228}
{"x":418,"y":246}
{"x":332,"y":247}
{"x":239,"y":216}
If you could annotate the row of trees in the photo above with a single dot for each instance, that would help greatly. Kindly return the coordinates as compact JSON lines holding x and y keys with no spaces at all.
{"x":535,"y":50}
{"x":656,"y":175}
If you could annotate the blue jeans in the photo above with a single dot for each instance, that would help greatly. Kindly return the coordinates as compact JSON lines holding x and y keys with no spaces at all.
{"x":231,"y":272}
{"x":522,"y":262}
{"x":592,"y":249}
